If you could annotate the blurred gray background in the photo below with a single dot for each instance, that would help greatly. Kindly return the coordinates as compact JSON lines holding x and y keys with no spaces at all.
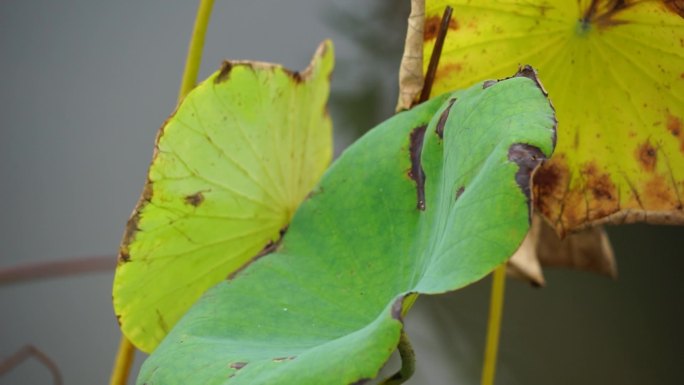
{"x":84,"y":87}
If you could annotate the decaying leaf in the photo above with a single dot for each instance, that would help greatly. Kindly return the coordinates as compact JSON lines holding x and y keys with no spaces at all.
{"x":411,"y":68}
{"x":615,"y":73}
{"x":230,"y":168}
{"x":588,"y":249}
{"x":427,"y":202}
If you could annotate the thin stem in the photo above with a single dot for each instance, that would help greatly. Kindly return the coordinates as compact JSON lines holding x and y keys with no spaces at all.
{"x":408,"y":362}
{"x":123,"y":362}
{"x":23,"y":354}
{"x":494,"y":324}
{"x":436,"y":54}
{"x":53,"y":269}
{"x":194,"y":58}
{"x":124,"y":358}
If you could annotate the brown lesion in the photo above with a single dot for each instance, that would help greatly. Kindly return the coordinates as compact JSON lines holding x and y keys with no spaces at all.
{"x":224,"y":72}
{"x":195,"y":199}
{"x":674,"y":126}
{"x":432,"y":25}
{"x":283,"y":359}
{"x":658,"y":194}
{"x":459,"y":192}
{"x":528,"y":158}
{"x":416,"y":172}
{"x":132,"y":226}
{"x":604,"y":199}
{"x":238,"y":365}
{"x":647,"y":156}
{"x":443,"y":118}
{"x":549,"y":186}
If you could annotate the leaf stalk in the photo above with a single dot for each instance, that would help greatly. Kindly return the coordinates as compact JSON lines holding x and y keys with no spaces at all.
{"x":408,"y":362}
{"x":494,"y":324}
{"x":126,"y":353}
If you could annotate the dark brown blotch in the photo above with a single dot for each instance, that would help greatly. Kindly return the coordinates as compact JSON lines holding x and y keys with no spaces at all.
{"x":488,"y":83}
{"x":598,"y":183}
{"x":124,"y":256}
{"x":459,"y":192}
{"x":416,"y":172}
{"x":529,"y":72}
{"x":195,"y":199}
{"x":283,"y":359}
{"x":295,"y":75}
{"x":224,"y":72}
{"x":527,"y":157}
{"x":443,"y":118}
{"x":647,"y":156}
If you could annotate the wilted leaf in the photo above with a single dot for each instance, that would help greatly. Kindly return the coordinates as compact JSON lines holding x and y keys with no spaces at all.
{"x":587,"y":249}
{"x":429,"y":201}
{"x":231,"y":166}
{"x":615,"y":73}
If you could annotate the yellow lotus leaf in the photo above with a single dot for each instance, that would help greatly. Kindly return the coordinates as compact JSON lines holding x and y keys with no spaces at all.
{"x":230,"y":168}
{"x":614,"y":70}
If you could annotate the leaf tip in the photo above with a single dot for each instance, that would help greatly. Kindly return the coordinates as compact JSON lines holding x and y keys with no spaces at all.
{"x":224,"y":72}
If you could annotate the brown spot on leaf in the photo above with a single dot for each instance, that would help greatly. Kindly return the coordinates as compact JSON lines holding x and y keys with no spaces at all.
{"x":550,"y":187}
{"x":547,"y":180}
{"x":658,"y":194}
{"x":295,"y":75}
{"x":647,"y":156}
{"x":459,"y":192}
{"x":488,"y":83}
{"x":600,"y":196}
{"x":599,"y":183}
{"x":238,"y":365}
{"x":527,"y":158}
{"x":443,"y":118}
{"x":432,"y":24}
{"x":195,"y":199}
{"x":674,"y":125}
{"x":132,"y":224}
{"x":282,"y":359}
{"x":124,"y":257}
{"x":527,"y":71}
{"x":416,"y":172}
{"x":448,"y":69}
{"x":224,"y":72}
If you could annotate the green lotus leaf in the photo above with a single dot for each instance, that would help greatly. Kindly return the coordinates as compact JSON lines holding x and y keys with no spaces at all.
{"x":427,"y":202}
{"x":231,"y":166}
